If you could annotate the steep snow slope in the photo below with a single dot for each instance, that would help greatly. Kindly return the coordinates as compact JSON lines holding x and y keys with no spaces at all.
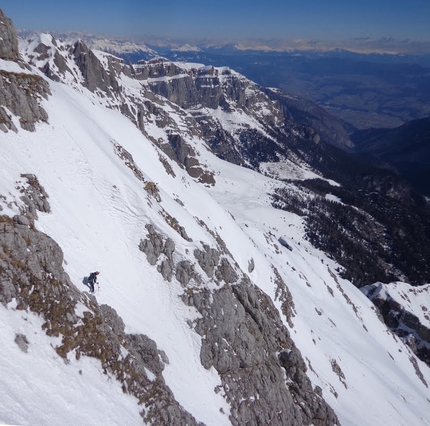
{"x":364,"y":370}
{"x":99,"y":213}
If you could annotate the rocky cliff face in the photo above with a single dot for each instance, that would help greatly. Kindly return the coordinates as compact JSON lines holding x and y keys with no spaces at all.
{"x":20,"y":91}
{"x":331,"y":129}
{"x":94,"y":74}
{"x":405,"y":148}
{"x":252,"y":351}
{"x":21,"y":94}
{"x":9,"y":41}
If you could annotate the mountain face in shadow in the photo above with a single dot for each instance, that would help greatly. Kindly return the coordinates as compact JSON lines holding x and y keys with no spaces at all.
{"x":406,"y":147}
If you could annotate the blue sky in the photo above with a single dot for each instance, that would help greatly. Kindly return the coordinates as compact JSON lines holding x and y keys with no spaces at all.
{"x":223,"y":19}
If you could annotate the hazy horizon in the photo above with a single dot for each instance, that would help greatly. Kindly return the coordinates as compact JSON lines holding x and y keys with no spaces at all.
{"x":380,"y":25}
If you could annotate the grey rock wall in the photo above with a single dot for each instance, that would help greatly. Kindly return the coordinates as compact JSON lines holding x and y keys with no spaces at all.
{"x":8,"y":39}
{"x":401,"y":321}
{"x":34,"y":197}
{"x":95,"y":75}
{"x":242,"y":335}
{"x":20,"y":92}
{"x":155,"y":68}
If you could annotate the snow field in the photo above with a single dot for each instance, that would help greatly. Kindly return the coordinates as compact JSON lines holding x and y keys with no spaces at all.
{"x":99,"y":213}
{"x":39,"y":388}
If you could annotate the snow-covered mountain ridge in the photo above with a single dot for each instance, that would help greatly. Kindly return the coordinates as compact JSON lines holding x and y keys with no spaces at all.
{"x":216,"y":310}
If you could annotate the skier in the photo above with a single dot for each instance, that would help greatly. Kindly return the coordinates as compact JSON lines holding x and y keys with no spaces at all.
{"x":92,"y":279}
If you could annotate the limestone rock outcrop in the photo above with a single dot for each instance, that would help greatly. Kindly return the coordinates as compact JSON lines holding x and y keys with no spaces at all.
{"x":9,"y":41}
{"x":95,"y":75}
{"x":399,"y":315}
{"x":263,"y":374}
{"x":21,"y":92}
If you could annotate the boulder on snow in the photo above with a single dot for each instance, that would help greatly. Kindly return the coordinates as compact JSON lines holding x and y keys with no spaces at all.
{"x":22,"y":342}
{"x":284,"y":243}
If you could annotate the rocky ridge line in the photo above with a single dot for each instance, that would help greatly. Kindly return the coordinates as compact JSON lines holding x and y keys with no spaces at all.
{"x":263,"y":374}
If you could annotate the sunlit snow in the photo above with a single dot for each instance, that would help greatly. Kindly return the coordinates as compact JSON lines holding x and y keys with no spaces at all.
{"x":99,"y":213}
